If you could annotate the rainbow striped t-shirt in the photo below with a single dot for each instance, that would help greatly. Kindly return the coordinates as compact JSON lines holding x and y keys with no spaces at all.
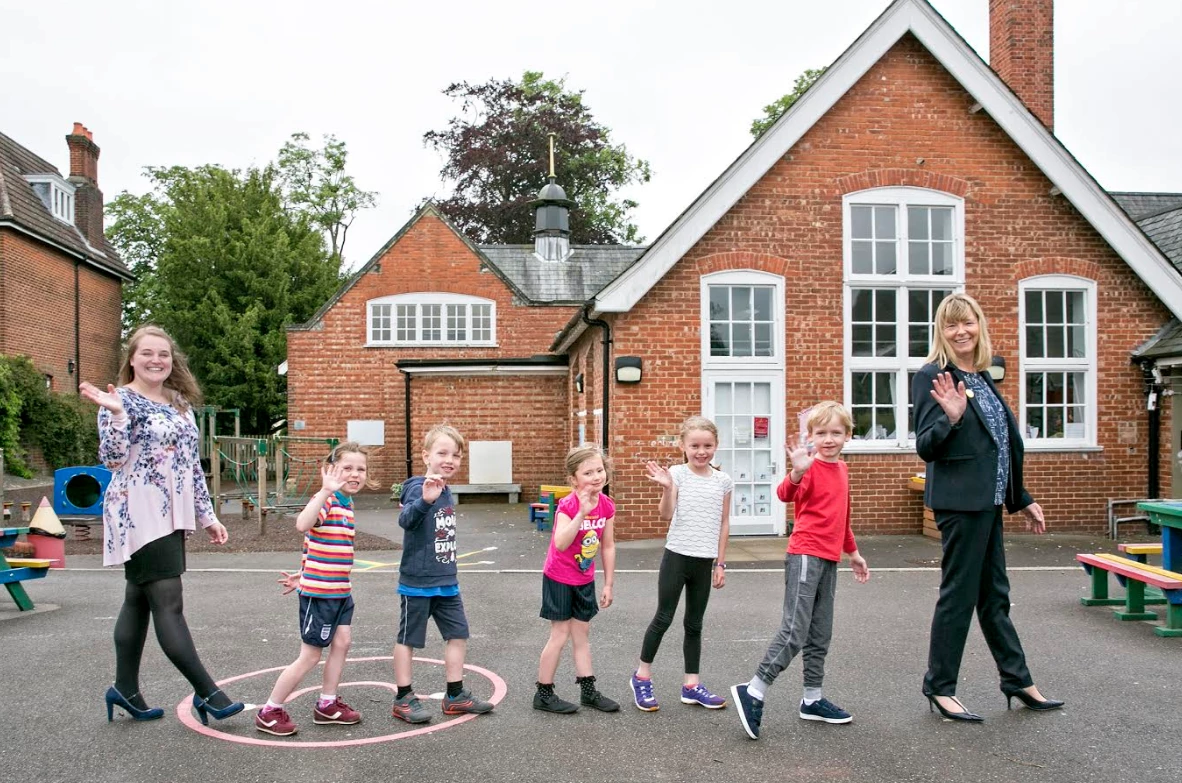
{"x":328,"y":550}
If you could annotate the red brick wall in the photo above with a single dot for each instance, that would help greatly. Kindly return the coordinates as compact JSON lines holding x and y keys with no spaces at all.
{"x":37,"y":310}
{"x":333,"y":378}
{"x":1021,"y":51}
{"x":906,"y":108}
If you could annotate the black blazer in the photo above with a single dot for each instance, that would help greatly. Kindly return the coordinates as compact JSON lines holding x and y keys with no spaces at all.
{"x":962,"y":460}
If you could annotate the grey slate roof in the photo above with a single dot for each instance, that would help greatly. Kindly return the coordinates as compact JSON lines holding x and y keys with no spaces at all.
{"x":1164,"y":229}
{"x":1139,"y":205}
{"x":571,"y":282}
{"x":1166,"y":343}
{"x":20,"y":205}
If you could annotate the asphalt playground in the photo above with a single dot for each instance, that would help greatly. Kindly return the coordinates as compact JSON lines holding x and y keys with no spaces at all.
{"x":1122,"y":722}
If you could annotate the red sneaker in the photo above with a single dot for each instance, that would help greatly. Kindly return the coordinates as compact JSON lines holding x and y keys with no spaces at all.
{"x":337,"y":712}
{"x":274,"y":720}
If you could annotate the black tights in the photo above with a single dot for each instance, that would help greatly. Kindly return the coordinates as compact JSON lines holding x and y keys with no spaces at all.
{"x":163,"y":602}
{"x":693,"y":574}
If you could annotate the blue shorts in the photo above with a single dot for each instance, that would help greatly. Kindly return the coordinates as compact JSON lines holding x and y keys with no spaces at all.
{"x":448,"y":611}
{"x":320,"y":617}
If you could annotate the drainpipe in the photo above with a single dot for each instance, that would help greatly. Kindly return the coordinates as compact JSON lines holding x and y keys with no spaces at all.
{"x":77,"y":330}
{"x":1153,"y":390}
{"x":606,"y":328}
{"x":407,"y":423}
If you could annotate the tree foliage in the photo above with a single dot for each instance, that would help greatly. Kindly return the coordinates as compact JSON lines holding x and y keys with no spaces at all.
{"x":62,"y":426}
{"x":496,"y":156}
{"x":224,"y":267}
{"x":315,"y":182}
{"x":773,"y":111}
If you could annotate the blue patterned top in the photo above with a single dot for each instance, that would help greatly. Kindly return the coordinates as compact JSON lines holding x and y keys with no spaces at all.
{"x":157,"y":483}
{"x":997,"y":422}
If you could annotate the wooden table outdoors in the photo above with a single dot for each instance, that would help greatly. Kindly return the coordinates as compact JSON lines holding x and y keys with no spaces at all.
{"x":1167,"y":514}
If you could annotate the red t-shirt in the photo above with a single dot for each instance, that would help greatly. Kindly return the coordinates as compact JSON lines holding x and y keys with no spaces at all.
{"x":822,"y":511}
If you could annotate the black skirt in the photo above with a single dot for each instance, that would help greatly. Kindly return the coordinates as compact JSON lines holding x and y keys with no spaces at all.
{"x":163,"y":558}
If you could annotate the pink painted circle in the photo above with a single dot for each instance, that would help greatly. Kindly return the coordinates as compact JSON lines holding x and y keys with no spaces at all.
{"x":184,"y":710}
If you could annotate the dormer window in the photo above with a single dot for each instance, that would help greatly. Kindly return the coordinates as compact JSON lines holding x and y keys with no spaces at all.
{"x":432,"y":318}
{"x":56,"y":194}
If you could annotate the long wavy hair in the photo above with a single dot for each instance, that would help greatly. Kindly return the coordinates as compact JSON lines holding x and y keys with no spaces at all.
{"x":180,"y":381}
{"x":954,"y":309}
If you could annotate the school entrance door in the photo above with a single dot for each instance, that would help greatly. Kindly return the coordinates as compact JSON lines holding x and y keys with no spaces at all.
{"x":749,"y":412}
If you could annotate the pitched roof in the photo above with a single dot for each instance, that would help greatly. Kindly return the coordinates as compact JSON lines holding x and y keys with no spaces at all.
{"x":1139,"y":205}
{"x":1166,"y":344}
{"x":571,"y":282}
{"x":23,"y":209}
{"x":1164,"y":229}
{"x":918,"y":18}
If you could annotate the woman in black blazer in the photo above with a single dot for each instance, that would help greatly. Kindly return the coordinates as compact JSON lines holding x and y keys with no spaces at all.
{"x":970,"y":441}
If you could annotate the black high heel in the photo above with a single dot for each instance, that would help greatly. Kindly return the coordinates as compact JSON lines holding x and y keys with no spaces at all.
{"x":1031,"y":702}
{"x":965,"y":716}
{"x":204,"y":710}
{"x":116,"y":699}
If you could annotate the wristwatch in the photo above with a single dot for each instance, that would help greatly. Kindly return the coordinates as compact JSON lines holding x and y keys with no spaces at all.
{"x":721,"y":565}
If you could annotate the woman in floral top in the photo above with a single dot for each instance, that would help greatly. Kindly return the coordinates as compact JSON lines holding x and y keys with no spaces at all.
{"x":148,"y":438}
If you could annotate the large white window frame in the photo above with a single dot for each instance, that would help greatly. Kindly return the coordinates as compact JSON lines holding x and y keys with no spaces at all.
{"x":736,"y":281}
{"x":891,"y":292}
{"x":1057,"y":331}
{"x":430,"y":318}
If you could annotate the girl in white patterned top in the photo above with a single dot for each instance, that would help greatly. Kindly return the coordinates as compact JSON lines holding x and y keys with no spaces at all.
{"x":696,"y":498}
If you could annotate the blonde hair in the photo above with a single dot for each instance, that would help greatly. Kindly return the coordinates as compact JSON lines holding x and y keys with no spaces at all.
{"x":580,"y":454}
{"x":444,"y":431}
{"x":698,"y":423}
{"x":825,"y":412}
{"x":954,"y":309}
{"x":180,"y":380}
{"x":351,"y":447}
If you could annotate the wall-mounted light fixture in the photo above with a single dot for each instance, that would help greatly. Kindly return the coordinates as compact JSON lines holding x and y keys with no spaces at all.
{"x":70,"y":366}
{"x":579,"y":383}
{"x":997,"y":368}
{"x":628,"y":369}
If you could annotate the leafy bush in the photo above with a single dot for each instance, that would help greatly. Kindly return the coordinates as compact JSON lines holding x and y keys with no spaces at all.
{"x":62,"y":425}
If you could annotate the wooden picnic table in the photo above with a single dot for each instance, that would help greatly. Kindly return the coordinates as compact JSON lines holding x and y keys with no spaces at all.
{"x":1167,"y":514}
{"x":12,"y":577}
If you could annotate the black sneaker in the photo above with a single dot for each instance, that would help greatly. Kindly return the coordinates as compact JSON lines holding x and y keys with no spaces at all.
{"x":750,"y":710}
{"x":600,"y":702}
{"x":824,"y":710}
{"x":548,"y":701}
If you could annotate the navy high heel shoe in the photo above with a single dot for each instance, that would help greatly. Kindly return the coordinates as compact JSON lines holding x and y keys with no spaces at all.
{"x":204,"y":710}
{"x":965,"y":715}
{"x":1031,"y":702}
{"x":116,"y":699}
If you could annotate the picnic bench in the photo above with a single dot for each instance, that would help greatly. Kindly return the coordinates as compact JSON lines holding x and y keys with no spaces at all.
{"x":542,"y":513}
{"x":512,"y":490}
{"x":1137,"y":577}
{"x":17,"y":570}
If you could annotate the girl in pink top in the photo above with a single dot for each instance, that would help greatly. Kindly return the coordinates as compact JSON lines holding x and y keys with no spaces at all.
{"x":582,"y":530}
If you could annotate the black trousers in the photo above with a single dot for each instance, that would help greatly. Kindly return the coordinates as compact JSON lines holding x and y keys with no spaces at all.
{"x":694,"y":575}
{"x":973,"y":576}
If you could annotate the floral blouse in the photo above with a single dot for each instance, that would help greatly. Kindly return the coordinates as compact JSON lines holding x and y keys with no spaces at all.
{"x":157,"y":483}
{"x":997,"y":422}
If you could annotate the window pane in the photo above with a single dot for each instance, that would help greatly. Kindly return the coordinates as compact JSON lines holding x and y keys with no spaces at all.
{"x":1054,"y":301}
{"x":1034,"y":388}
{"x":861,"y":257}
{"x":741,"y":340}
{"x":863,"y":422}
{"x":743,"y":404}
{"x":884,"y":388}
{"x":884,"y":258}
{"x":884,"y":423}
{"x":917,"y":307}
{"x":941,"y":223}
{"x":763,"y":399}
{"x":1034,"y":342}
{"x":884,"y":222}
{"x":740,"y":303}
{"x":1077,"y":347}
{"x":918,"y":260}
{"x":917,"y":223}
{"x":763,"y":304}
{"x":1034,"y":428}
{"x":862,"y":340}
{"x":1055,"y":342}
{"x":720,"y":344}
{"x":884,"y":305}
{"x":431,"y":329}
{"x":918,"y":340}
{"x":860,"y":222}
{"x":862,"y":305}
{"x":1034,"y":307}
{"x":942,"y":258}
{"x":1075,"y":388}
{"x":719,"y":303}
{"x":763,"y":340}
{"x":860,"y":390}
{"x":1075,"y":307}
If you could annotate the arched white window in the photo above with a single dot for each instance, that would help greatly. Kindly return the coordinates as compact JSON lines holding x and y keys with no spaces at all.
{"x":902,"y":253}
{"x":431,"y":318}
{"x":1057,"y":394}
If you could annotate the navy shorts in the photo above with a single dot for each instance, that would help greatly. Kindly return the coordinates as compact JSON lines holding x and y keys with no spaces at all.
{"x":320,"y":617}
{"x":415,"y":610}
{"x":568,"y":602}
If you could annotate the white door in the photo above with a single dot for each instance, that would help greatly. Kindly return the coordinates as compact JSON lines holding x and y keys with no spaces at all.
{"x":749,"y":412}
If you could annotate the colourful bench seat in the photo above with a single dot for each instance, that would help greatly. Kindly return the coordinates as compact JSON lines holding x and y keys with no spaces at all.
{"x":1137,"y":576}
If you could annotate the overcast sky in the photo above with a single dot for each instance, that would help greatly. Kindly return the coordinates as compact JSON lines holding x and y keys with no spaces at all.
{"x":227,"y":81}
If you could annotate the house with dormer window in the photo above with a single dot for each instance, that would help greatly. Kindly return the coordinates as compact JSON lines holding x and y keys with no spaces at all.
{"x":810,"y":269}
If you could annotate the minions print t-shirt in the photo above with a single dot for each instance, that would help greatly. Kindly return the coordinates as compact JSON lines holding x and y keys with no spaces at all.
{"x":575,"y":565}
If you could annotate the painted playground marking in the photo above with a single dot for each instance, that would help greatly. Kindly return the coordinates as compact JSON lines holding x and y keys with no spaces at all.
{"x":184,"y":710}
{"x":370,"y":565}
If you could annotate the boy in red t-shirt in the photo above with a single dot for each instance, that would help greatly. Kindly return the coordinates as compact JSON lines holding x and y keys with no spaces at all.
{"x":819,"y":487}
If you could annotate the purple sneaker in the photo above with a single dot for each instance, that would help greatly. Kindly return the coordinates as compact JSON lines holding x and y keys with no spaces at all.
{"x":642,"y":694}
{"x":698,"y":694}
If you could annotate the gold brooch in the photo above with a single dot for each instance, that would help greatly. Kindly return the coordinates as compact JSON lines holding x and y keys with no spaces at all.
{"x":969,"y":393}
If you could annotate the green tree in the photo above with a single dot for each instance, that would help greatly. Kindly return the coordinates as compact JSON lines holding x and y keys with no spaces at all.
{"x":496,"y":159}
{"x":315,"y":183}
{"x":225,"y":267}
{"x":773,"y":111}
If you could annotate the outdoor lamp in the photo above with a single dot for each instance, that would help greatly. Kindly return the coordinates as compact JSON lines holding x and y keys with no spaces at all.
{"x":997,"y":369}
{"x":579,"y":383}
{"x":628,"y":369}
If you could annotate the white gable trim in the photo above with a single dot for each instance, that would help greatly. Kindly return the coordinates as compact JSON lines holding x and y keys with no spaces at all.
{"x":921,"y":20}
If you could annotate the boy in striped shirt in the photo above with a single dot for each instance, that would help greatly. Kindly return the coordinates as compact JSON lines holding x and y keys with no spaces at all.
{"x":326,"y":603}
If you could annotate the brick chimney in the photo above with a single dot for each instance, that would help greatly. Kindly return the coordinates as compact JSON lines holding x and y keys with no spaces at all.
{"x":1021,"y":51}
{"x":88,"y":199}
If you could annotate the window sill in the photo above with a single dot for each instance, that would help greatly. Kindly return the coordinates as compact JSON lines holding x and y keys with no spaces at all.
{"x":1064,"y":448}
